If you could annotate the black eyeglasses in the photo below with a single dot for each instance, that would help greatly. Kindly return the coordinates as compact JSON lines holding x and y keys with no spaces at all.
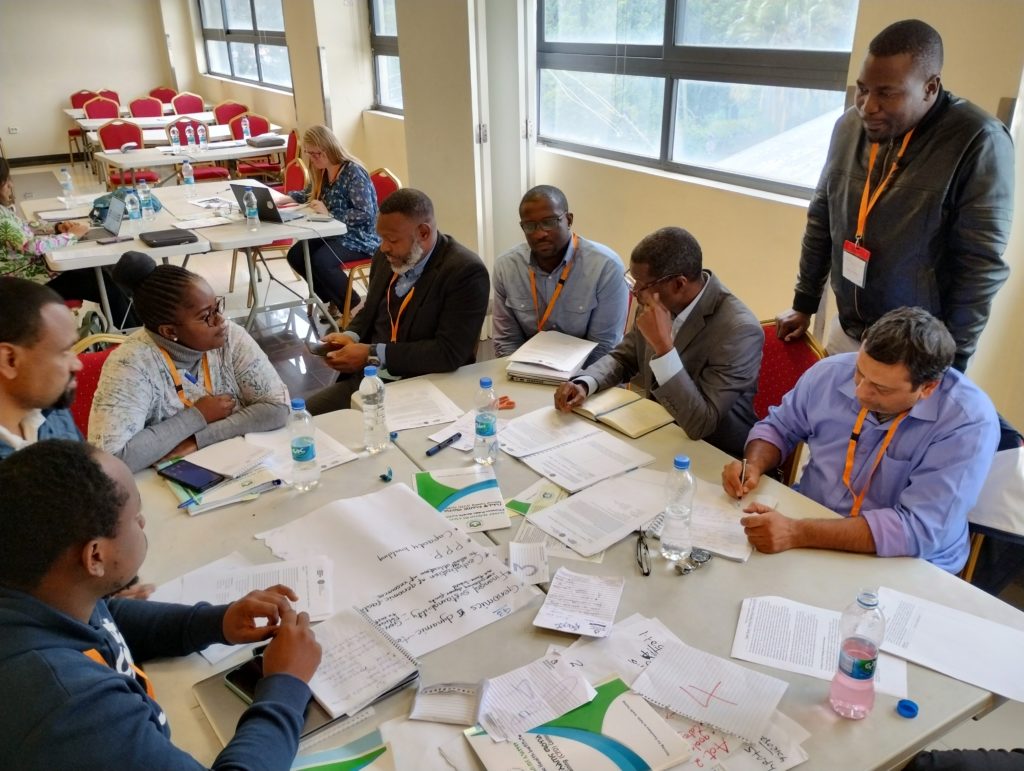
{"x":635,"y":289}
{"x":547,"y":224}
{"x":643,"y":553}
{"x":210,"y":316}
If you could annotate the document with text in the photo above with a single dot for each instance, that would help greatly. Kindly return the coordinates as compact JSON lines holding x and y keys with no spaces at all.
{"x":581,"y":604}
{"x":587,"y":461}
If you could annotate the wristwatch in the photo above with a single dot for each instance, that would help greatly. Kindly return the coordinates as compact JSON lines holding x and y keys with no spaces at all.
{"x":373,"y":360}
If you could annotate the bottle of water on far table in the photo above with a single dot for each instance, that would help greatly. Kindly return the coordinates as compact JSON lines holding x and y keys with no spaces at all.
{"x":146,"y":201}
{"x":252,"y":214}
{"x":485,"y":448}
{"x":132,"y":213}
{"x":861,"y":631}
{"x":175,"y":141}
{"x":375,"y":424}
{"x":67,"y":187}
{"x":188,"y":176}
{"x":190,"y":138}
{"x":305,"y":466}
{"x":675,"y":536}
{"x":204,"y":138}
{"x":246,"y":133}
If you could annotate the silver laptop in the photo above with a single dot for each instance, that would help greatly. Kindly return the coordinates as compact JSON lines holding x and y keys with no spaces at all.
{"x":111,"y":224}
{"x":268,"y":210}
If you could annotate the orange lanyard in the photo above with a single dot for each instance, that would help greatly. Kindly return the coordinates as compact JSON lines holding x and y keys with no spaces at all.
{"x":867,"y":198}
{"x":401,"y":308}
{"x":96,"y":656}
{"x":858,"y":498}
{"x":541,"y":321}
{"x":207,"y":380}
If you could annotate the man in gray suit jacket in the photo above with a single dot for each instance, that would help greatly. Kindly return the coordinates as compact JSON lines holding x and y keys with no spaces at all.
{"x":695,"y":348}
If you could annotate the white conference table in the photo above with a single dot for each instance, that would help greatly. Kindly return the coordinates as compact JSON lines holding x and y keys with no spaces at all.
{"x":78,"y":113}
{"x":153,"y":122}
{"x":152,"y":157}
{"x":176,"y":208}
{"x":157,"y":137}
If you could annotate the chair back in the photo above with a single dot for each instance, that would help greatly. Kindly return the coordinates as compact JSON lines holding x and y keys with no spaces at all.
{"x":782,"y":364}
{"x":385,"y":183}
{"x":115,"y":133}
{"x":163,"y":93}
{"x":183,"y":123}
{"x":187,"y":102}
{"x":88,"y":379}
{"x":113,"y":96}
{"x":225,"y":111}
{"x":146,"y":107}
{"x":101,"y":107}
{"x":257,"y":124}
{"x":296,"y":175}
{"x":291,"y":152}
{"x":79,"y":98}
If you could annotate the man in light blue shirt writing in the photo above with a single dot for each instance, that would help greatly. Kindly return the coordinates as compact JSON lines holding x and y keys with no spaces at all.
{"x":557,"y":280}
{"x":900,"y":446}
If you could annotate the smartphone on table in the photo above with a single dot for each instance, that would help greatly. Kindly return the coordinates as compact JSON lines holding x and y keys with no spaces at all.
{"x":195,"y":478}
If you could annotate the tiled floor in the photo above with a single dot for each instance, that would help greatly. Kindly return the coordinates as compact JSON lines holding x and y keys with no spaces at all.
{"x":283,"y":335}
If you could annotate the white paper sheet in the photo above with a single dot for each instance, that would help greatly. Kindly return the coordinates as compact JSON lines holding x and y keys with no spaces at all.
{"x":454,"y":703}
{"x":631,"y":646}
{"x":530,"y":533}
{"x":795,"y":637}
{"x":420,"y":578}
{"x":329,"y":451}
{"x":232,"y":457}
{"x":606,"y":513}
{"x":587,"y":461}
{"x":310,"y":579}
{"x":543,"y":429}
{"x":201,"y":222}
{"x":712,"y":690}
{"x":465,"y":425}
{"x":554,"y":350}
{"x":531,"y":695}
{"x":417,"y":403}
{"x":61,"y":215}
{"x":581,"y":604}
{"x":528,"y":561}
{"x":467,"y":496}
{"x":416,"y":744}
{"x":957,"y":644}
{"x":777,"y":750}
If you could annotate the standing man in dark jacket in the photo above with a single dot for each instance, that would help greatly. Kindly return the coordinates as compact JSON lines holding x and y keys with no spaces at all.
{"x":914,"y":203}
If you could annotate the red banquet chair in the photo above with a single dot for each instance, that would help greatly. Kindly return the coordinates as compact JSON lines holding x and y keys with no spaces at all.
{"x":146,"y":107}
{"x":89,"y":376}
{"x":164,"y":94}
{"x":201,"y":171}
{"x":75,"y":140}
{"x":187,"y":102}
{"x":101,"y":107}
{"x":225,"y":111}
{"x":113,"y":134}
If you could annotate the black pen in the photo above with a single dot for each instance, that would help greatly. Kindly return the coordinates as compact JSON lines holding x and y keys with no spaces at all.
{"x":449,"y":441}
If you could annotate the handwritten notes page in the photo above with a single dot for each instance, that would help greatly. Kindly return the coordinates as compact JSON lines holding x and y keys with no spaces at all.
{"x":777,"y":750}
{"x":530,"y":533}
{"x":418,"y":577}
{"x":604,"y":514}
{"x":938,"y":637}
{"x":587,"y":461}
{"x":528,"y":562}
{"x":581,"y":604}
{"x":358,"y":666}
{"x":715,"y":524}
{"x":329,"y":451}
{"x":632,"y":645}
{"x":469,"y":497}
{"x":454,"y":703}
{"x":541,"y":430}
{"x":417,"y":403}
{"x":310,"y":578}
{"x":801,"y":638}
{"x":712,"y":690}
{"x":526,"y":697}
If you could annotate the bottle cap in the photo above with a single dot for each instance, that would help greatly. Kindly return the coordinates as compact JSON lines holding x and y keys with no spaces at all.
{"x":369,"y":371}
{"x":485,"y":382}
{"x":681,"y":462}
{"x":298,"y":404}
{"x":394,"y":436}
{"x":907,"y":708}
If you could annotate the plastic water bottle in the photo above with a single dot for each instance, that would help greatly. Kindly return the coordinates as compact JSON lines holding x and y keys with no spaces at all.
{"x":190,"y":138}
{"x":252,"y":214}
{"x":375,"y":425}
{"x":133,"y":212}
{"x":485,"y":448}
{"x":204,"y":139}
{"x":305,"y":466}
{"x":675,"y":536}
{"x":861,"y":630}
{"x":146,"y":201}
{"x":175,"y":141}
{"x":246,"y":133}
{"x":67,"y":186}
{"x":188,"y":176}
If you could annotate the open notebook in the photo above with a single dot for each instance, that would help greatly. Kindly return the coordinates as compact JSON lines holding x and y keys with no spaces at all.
{"x":626,"y":411}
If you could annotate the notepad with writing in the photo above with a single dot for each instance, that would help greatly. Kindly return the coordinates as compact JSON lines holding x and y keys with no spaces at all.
{"x":626,"y":411}
{"x":360,"y":664}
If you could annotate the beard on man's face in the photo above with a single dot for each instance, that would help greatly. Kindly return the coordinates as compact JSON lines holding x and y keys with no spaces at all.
{"x":66,"y":399}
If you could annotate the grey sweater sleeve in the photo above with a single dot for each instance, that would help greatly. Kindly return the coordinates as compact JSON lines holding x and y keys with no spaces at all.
{"x":155,"y":441}
{"x":263,"y":416}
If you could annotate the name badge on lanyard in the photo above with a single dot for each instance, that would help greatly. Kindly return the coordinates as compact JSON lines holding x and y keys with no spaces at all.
{"x":855,"y":263}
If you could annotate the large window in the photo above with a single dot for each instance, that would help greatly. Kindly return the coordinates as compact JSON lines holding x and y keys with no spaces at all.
{"x":387,"y":74}
{"x":245,"y":41}
{"x":742,"y":91}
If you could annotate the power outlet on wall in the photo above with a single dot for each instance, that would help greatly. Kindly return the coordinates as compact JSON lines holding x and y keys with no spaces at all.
{"x":12,"y":129}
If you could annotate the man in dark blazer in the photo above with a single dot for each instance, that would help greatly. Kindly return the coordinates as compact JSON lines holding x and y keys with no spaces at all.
{"x":695,"y":348}
{"x":424,"y":309}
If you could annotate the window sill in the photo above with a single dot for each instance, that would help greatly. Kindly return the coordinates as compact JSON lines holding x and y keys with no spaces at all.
{"x":248,"y":84}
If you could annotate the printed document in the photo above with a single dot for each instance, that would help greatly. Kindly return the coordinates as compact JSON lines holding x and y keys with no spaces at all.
{"x":541,"y":430}
{"x":231,"y":458}
{"x":530,"y":533}
{"x":469,"y":497}
{"x":556,"y":351}
{"x":417,"y":403}
{"x":581,"y":604}
{"x":465,"y":425}
{"x":329,"y":451}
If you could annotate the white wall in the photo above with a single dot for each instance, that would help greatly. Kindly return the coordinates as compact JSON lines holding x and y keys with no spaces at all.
{"x":52,"y":48}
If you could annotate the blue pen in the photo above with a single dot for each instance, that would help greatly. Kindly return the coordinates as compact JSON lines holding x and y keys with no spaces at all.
{"x":446,"y":443}
{"x":191,"y":378}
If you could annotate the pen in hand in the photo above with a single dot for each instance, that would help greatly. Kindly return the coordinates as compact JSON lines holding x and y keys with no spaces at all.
{"x":445,"y":443}
{"x":743,"y":478}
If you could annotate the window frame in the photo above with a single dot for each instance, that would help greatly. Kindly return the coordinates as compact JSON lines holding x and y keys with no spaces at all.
{"x":255,"y":36}
{"x":381,"y":45}
{"x":791,"y":68}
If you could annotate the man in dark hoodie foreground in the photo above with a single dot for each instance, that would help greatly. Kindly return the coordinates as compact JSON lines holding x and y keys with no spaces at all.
{"x":73,"y":696}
